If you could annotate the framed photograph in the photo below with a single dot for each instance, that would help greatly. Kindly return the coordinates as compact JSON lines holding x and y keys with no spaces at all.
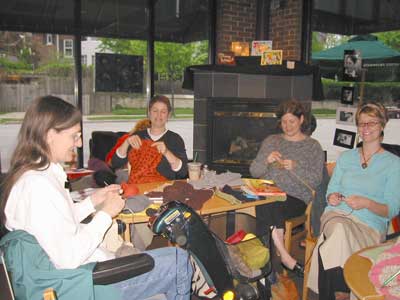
{"x":347,"y":96}
{"x":344,"y":138}
{"x":351,"y":65}
{"x":259,"y":47}
{"x":271,"y":57}
{"x":346,"y":115}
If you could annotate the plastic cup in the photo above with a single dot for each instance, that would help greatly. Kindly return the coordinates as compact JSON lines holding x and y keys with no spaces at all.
{"x":194,"y":170}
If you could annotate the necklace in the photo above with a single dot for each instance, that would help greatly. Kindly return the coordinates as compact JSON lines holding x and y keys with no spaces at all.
{"x":364,"y":165}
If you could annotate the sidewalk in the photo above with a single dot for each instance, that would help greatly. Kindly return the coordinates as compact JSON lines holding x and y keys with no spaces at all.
{"x":16,"y":117}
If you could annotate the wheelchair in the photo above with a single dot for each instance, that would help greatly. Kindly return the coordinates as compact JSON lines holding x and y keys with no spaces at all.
{"x":204,"y":240}
{"x":26,"y":271}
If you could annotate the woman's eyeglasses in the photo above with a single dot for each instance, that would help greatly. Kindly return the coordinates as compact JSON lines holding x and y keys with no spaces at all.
{"x":371,"y":124}
{"x":77,"y":136}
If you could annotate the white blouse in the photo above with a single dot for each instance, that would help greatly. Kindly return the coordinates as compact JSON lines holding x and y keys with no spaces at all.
{"x":40,"y":204}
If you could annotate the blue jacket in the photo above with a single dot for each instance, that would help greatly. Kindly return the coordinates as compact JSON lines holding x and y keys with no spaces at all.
{"x":32,"y":272}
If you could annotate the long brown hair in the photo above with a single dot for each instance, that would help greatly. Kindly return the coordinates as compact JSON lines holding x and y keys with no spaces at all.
{"x":32,"y":151}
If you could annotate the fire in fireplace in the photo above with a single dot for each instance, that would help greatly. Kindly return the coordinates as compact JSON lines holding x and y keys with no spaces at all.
{"x":236,"y":129}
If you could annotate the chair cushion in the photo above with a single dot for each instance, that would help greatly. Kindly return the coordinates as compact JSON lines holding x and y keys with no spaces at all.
{"x":102,"y":142}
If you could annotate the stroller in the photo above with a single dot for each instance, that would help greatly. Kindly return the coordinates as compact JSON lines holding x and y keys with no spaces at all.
{"x":204,"y":240}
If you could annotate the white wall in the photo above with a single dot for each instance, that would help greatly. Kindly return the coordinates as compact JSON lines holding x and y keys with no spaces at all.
{"x":89,"y":49}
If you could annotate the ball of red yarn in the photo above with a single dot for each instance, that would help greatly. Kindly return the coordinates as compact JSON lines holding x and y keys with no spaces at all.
{"x":129,"y":189}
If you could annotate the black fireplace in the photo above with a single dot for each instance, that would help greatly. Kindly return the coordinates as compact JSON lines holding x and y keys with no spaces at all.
{"x":234,"y":108}
{"x":236,"y":128}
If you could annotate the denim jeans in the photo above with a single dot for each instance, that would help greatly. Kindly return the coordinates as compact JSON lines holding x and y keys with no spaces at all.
{"x":171,"y":276}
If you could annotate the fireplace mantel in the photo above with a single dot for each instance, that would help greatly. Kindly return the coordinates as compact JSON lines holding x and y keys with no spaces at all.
{"x":251,"y":66}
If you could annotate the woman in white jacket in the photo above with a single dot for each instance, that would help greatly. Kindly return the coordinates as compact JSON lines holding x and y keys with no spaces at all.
{"x":35,"y":199}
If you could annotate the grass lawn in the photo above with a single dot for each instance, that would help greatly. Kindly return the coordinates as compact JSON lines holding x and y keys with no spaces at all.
{"x":320,"y":112}
{"x":140,"y":113}
{"x":324,"y":113}
{"x":9,"y":120}
{"x":143,"y":111}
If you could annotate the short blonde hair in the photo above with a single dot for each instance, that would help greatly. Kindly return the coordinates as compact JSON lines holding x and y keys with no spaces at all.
{"x":373,"y":109}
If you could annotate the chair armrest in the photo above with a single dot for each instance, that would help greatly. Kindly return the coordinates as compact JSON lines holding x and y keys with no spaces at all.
{"x":122,"y":268}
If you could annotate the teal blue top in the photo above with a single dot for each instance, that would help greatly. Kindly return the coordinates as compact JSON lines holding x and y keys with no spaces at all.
{"x":380,"y":182}
{"x":32,"y":272}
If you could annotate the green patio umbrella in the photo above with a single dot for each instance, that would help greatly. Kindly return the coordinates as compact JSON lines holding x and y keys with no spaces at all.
{"x":381,"y":62}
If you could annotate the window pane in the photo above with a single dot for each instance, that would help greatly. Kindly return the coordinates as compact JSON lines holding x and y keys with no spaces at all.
{"x":29,"y":67}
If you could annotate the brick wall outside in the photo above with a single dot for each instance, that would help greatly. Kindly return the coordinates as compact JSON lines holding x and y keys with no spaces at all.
{"x":236,"y":21}
{"x":45,"y":53}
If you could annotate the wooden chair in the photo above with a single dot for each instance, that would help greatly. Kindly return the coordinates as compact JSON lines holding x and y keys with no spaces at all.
{"x":49,"y":294}
{"x":294,"y":223}
{"x":310,"y":241}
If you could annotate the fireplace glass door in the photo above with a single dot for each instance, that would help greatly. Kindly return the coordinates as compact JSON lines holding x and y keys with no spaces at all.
{"x":236,"y":131}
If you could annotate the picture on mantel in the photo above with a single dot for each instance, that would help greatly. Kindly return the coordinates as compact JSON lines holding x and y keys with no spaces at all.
{"x":271,"y":57}
{"x":240,"y":48}
{"x":259,"y":47}
{"x":226,"y":58}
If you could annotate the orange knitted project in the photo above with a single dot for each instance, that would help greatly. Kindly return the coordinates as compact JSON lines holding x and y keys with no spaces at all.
{"x":144,"y":162}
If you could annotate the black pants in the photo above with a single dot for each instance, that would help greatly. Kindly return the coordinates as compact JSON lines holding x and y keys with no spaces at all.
{"x":276,"y":213}
{"x":330,"y":281}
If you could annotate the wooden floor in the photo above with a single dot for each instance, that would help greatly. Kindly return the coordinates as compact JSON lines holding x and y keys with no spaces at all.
{"x":297,"y":251}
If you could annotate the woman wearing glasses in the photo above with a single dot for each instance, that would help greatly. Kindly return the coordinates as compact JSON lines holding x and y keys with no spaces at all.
{"x":363,"y":196}
{"x":35,"y":199}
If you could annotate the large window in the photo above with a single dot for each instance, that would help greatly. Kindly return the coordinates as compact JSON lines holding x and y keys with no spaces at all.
{"x":354,"y":69}
{"x":30,"y":67}
{"x":37,"y":64}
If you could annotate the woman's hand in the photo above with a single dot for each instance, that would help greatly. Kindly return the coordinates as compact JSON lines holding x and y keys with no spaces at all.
{"x":113,"y":204}
{"x":134,"y":141}
{"x":288,"y":164}
{"x":101,"y":195}
{"x":273,"y":157}
{"x":334,"y":199}
{"x":161,"y":147}
{"x":357,"y":202}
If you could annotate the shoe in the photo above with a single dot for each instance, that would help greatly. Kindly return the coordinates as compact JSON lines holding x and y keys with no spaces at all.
{"x":298,"y":269}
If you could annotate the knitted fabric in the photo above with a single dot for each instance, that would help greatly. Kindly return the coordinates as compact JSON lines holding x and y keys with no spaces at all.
{"x":144,"y":162}
{"x":387,"y":264}
{"x":184,"y":192}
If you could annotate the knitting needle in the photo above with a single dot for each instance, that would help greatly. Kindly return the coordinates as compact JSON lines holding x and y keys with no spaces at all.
{"x":120,"y":192}
{"x":390,"y":279}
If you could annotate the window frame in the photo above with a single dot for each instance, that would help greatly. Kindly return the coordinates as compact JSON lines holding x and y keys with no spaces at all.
{"x":68,"y":48}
